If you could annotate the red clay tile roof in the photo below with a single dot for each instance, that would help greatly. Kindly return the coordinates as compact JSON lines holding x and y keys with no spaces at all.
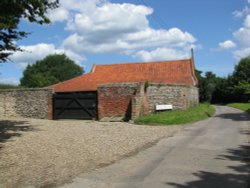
{"x":170,"y":72}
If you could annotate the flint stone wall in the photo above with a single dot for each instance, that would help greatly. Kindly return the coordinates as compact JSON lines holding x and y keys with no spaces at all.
{"x":31,"y":103}
{"x":180,"y":96}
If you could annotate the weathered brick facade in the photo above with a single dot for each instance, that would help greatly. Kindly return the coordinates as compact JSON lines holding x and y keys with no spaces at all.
{"x":32,"y":103}
{"x":118,"y":102}
{"x":115,"y":101}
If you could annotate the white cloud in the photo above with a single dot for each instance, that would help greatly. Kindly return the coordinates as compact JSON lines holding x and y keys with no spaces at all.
{"x":242,"y":53}
{"x":242,"y":36}
{"x":228,"y":44}
{"x":111,"y":17}
{"x":33,"y":52}
{"x":58,"y":15}
{"x":241,"y":13}
{"x":147,"y":38}
{"x":120,"y":28}
{"x":99,"y":26}
{"x":36,"y":52}
{"x":64,"y":11}
{"x":162,"y":54}
{"x":247,"y":22}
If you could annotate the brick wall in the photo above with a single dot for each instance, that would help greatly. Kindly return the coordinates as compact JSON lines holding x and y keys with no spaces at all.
{"x":118,"y":102}
{"x":33,"y":103}
{"x":180,"y":96}
{"x":115,"y":101}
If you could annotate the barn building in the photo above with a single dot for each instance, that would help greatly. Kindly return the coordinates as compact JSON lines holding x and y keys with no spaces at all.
{"x":118,"y":92}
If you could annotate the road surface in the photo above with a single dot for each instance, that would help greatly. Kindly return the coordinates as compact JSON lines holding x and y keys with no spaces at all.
{"x":209,"y":154}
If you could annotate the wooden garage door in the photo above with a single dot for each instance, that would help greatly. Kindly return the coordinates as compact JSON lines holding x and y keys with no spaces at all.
{"x":75,"y":105}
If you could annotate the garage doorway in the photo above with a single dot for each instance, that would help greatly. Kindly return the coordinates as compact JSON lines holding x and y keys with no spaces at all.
{"x":75,"y":105}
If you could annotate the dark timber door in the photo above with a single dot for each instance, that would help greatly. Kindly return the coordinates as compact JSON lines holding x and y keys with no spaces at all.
{"x":75,"y":105}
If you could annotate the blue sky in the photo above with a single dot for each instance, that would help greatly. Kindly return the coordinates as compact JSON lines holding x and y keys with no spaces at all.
{"x":118,"y":31}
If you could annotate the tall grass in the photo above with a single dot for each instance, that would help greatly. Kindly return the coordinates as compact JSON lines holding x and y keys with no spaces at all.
{"x":241,"y":106}
{"x":194,"y":114}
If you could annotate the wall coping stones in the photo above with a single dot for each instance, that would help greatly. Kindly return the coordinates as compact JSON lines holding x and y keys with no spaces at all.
{"x":26,"y":89}
{"x":131,"y":84}
{"x":166,"y":84}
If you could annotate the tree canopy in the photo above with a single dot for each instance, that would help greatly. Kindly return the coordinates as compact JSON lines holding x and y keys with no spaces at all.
{"x":11,"y":12}
{"x":50,"y":70}
{"x":234,"y":88}
{"x":242,"y":71}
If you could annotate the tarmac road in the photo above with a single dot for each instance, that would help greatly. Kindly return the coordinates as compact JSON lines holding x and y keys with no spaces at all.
{"x":209,"y":154}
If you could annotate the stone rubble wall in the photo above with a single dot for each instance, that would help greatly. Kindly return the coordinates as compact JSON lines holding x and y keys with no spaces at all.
{"x":116,"y":102}
{"x":30,"y":103}
{"x":180,"y":96}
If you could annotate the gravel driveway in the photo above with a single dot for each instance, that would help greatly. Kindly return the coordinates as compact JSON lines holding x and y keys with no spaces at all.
{"x":44,"y":153}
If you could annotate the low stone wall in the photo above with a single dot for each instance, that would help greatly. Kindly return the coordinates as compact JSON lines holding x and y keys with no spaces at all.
{"x":180,"y":96}
{"x":32,"y":103}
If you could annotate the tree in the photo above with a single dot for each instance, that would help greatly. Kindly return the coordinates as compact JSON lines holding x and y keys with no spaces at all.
{"x":206,"y":85}
{"x":241,"y":80}
{"x":242,"y":71}
{"x":50,"y":70}
{"x":223,"y":91}
{"x":201,"y":83}
{"x":209,"y":85}
{"x":11,"y":12}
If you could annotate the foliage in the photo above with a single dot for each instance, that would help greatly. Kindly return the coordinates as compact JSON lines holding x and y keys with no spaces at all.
{"x":200,"y":84}
{"x":11,"y":12}
{"x":223,"y":92}
{"x":52,"y":69}
{"x":206,"y":85}
{"x":8,"y":86}
{"x":242,"y":90}
{"x":242,"y":71}
{"x":209,"y":86}
{"x":234,"y":88}
{"x":146,"y":85}
{"x":241,"y":106}
{"x":197,"y":113}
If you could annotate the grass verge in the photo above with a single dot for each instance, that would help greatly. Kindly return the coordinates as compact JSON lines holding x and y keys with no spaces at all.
{"x":191,"y":115}
{"x":241,"y":106}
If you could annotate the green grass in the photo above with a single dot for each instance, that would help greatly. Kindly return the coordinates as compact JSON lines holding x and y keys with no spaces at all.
{"x":194,"y":114}
{"x":241,"y":106}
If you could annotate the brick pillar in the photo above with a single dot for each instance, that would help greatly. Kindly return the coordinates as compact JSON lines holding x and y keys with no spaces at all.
{"x":50,"y":108}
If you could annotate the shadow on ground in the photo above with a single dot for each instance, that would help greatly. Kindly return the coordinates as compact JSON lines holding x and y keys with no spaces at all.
{"x":9,"y":129}
{"x":248,"y":110}
{"x":235,"y":116}
{"x":225,"y":180}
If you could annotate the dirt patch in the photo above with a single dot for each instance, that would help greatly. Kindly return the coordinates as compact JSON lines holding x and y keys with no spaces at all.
{"x":44,"y":153}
